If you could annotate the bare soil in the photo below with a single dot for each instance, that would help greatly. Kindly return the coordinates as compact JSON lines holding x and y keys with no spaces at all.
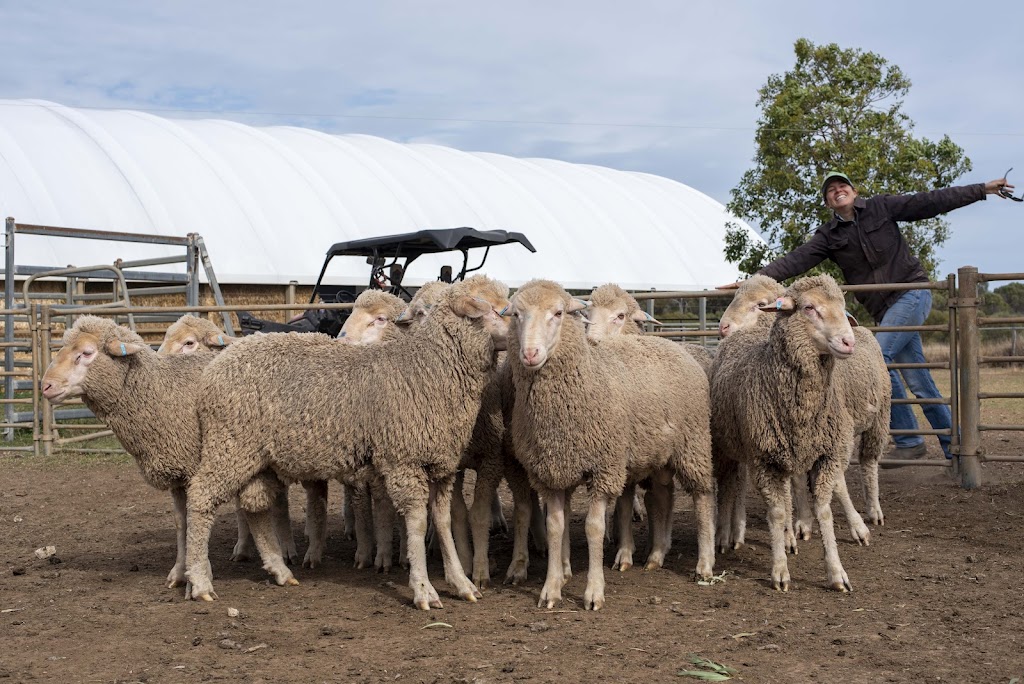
{"x":938,"y":596}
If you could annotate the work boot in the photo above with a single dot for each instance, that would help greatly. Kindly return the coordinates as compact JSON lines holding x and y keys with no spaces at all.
{"x":912,"y":453}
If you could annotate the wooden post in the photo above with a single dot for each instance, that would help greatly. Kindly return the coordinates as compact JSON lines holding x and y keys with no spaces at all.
{"x":970,"y":378}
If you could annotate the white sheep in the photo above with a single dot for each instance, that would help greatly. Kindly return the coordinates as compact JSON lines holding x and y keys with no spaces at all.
{"x":777,"y":411}
{"x":630,"y":408}
{"x":865,"y":390}
{"x":408,"y":408}
{"x":149,"y":401}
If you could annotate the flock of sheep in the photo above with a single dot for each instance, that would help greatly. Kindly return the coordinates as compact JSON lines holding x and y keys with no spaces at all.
{"x":409,"y":396}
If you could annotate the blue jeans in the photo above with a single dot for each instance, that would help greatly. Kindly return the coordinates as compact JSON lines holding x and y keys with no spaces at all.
{"x":905,"y":347}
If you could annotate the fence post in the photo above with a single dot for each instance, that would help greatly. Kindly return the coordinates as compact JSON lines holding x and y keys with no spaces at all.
{"x":45,"y":332}
{"x":9,"y":269}
{"x":970,"y":403}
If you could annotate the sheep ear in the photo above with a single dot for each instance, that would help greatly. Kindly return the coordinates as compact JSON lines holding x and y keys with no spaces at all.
{"x":780,"y":304}
{"x":117,"y":348}
{"x":852,"y":320}
{"x":644,"y":317}
{"x":471,"y":307}
{"x":218,"y":340}
{"x":577,"y":305}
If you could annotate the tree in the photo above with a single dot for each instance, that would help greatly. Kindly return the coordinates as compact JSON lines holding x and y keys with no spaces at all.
{"x":837,"y":109}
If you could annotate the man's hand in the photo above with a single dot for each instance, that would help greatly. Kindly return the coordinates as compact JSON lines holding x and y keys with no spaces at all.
{"x":993,"y":187}
{"x":728,"y":286}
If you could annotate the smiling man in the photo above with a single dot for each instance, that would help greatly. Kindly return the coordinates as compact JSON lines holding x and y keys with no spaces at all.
{"x":863,"y":239}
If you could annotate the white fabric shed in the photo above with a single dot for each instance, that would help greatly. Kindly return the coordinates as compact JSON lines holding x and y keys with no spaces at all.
{"x":270,"y":201}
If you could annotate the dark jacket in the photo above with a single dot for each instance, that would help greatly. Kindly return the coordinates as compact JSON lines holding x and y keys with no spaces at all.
{"x":870,"y":249}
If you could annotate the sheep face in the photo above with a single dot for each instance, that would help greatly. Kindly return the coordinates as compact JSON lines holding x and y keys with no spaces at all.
{"x":746,"y":307}
{"x":820,"y":311}
{"x":423,"y":301}
{"x":190,"y":334}
{"x":539,"y":309}
{"x":373,"y":314}
{"x":66,"y":376}
{"x":613,"y":311}
{"x":485,"y":303}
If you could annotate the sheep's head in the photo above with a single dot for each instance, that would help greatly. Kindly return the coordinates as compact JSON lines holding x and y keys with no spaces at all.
{"x":86,"y":345}
{"x":745,"y":310}
{"x":373,"y":319}
{"x":539,"y":310}
{"x":482,"y":301}
{"x":423,"y":301}
{"x":190,"y":334}
{"x":613,"y":311}
{"x":819,"y":308}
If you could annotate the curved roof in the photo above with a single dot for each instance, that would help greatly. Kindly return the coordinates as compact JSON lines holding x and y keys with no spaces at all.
{"x":270,"y":201}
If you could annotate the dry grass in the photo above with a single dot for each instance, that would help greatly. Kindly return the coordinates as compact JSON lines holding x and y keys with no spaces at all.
{"x":938,"y":352}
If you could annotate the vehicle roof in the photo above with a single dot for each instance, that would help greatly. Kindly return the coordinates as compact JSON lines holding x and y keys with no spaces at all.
{"x":429,"y":241}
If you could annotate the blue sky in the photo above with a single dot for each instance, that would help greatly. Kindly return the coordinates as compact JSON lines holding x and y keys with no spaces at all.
{"x":661,"y":87}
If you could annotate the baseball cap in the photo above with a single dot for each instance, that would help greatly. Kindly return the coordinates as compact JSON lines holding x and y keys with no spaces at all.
{"x":835,"y":174}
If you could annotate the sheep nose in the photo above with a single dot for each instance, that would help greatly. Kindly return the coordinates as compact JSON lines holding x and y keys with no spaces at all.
{"x":530,"y":356}
{"x":723,"y":329}
{"x":848,"y":342}
{"x":47,"y":388}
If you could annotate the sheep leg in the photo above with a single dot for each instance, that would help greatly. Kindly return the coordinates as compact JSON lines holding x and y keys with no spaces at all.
{"x":485,"y":492}
{"x":244,"y":548}
{"x":593,"y":596}
{"x":858,"y":530}
{"x":658,"y":501}
{"x":364,"y":525}
{"x":460,"y":522}
{"x":731,"y":512}
{"x":383,"y":529}
{"x":773,"y":489}
{"x":267,"y":540}
{"x":871,"y":446}
{"x":523,"y":501}
{"x":704,"y":510}
{"x":424,"y":595}
{"x":348,"y":513}
{"x":176,"y":577}
{"x":802,"y":526}
{"x":454,"y":574}
{"x":624,"y":525}
{"x":316,"y":522}
{"x":212,"y":486}
{"x":787,"y":525}
{"x":551,"y":592}
{"x":824,"y":477}
{"x":282,"y":525}
{"x":566,"y":564}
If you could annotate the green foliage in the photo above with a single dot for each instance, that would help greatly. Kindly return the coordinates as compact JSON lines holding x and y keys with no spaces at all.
{"x":836,"y":109}
{"x":1013,"y":295}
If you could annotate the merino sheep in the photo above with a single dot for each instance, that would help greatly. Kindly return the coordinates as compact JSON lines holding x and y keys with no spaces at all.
{"x":630,"y":408}
{"x":613,"y":311}
{"x":149,"y":401}
{"x":409,"y":408}
{"x":777,"y":410}
{"x":190,"y":334}
{"x":374,"y":319}
{"x":865,"y":390}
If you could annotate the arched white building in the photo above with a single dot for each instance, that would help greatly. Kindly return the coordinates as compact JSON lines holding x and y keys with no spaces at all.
{"x":270,"y":201}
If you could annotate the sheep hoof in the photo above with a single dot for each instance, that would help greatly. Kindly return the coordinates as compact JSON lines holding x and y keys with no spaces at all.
{"x":624,"y":566}
{"x":209,"y":598}
{"x":292,"y":582}
{"x":175,"y":583}
{"x":781,"y":585}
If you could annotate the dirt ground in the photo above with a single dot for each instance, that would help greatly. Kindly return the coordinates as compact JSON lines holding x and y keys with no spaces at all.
{"x":938,"y":596}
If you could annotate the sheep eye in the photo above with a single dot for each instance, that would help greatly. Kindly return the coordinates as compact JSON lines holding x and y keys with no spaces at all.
{"x":558,"y":314}
{"x":621,"y":317}
{"x":809,"y":308}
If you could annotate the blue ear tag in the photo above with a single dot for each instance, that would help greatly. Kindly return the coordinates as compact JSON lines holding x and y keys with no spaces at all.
{"x":778,"y":304}
{"x":124,"y":350}
{"x":504,"y":311}
{"x":220,"y":340}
